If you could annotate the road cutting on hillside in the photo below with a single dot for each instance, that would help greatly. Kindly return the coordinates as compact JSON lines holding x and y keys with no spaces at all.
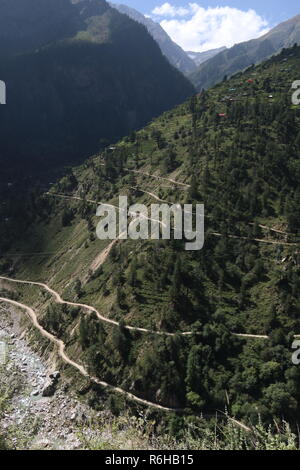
{"x":61,"y":351}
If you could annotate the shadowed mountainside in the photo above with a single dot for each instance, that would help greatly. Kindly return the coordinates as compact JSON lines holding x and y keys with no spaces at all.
{"x":174,"y":53}
{"x":77,"y":77}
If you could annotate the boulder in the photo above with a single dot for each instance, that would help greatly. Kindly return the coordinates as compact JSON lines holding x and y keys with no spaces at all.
{"x":50,"y":385}
{"x":49,"y":388}
{"x":55,"y":375}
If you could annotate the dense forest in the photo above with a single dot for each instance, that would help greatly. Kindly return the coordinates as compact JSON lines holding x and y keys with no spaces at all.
{"x":77,"y":78}
{"x":236,"y":149}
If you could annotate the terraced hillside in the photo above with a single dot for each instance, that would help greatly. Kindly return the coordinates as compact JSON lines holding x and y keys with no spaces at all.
{"x":199,"y":330}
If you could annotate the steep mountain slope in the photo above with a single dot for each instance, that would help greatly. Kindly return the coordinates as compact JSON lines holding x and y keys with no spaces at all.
{"x":201,"y":57}
{"x":77,"y":75}
{"x":247,"y":53}
{"x":203,"y":330}
{"x":176,"y":56}
{"x":26,"y":25}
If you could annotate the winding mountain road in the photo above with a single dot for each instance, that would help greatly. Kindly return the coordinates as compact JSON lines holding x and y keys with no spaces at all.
{"x":59,"y":300}
{"x":61,"y":351}
{"x":215,"y":234}
{"x":158,"y":177}
{"x":83,"y":371}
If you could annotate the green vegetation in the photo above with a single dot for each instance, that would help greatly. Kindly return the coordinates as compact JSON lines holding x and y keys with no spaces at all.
{"x":81,"y":75}
{"x":242,"y":55}
{"x":237,"y":146}
{"x":176,"y":56}
{"x":137,"y":433}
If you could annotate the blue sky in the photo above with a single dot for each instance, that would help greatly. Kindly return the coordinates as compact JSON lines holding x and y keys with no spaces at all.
{"x":273,"y":10}
{"x":202,"y":25}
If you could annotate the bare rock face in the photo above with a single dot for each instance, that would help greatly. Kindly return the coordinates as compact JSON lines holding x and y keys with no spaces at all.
{"x":49,"y":388}
{"x":55,"y":375}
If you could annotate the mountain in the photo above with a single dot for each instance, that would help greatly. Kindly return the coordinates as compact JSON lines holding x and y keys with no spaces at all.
{"x":174,"y":53}
{"x":201,"y":57}
{"x":77,"y":78}
{"x":27,"y":25}
{"x":247,"y":53}
{"x":234,"y":148}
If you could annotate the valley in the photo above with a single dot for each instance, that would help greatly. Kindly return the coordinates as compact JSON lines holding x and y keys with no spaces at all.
{"x":28,"y":415}
{"x":83,"y":266}
{"x":83,"y":80}
{"x":135,"y":341}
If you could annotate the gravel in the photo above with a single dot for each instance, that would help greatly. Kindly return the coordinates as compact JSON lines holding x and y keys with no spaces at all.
{"x":31,"y":421}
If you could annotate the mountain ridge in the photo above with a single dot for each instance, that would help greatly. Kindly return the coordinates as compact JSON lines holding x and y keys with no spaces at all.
{"x":200,"y":57}
{"x":86,"y":88}
{"x":243,"y":55}
{"x":234,"y":148}
{"x":175,"y":54}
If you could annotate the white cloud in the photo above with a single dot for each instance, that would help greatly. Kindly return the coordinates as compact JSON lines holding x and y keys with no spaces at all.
{"x":199,"y":29}
{"x":166,"y":9}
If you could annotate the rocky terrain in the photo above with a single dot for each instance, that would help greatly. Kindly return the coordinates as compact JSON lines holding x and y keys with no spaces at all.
{"x":39,"y":412}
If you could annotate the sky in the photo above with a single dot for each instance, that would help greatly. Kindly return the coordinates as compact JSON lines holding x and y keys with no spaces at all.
{"x":203,"y":25}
